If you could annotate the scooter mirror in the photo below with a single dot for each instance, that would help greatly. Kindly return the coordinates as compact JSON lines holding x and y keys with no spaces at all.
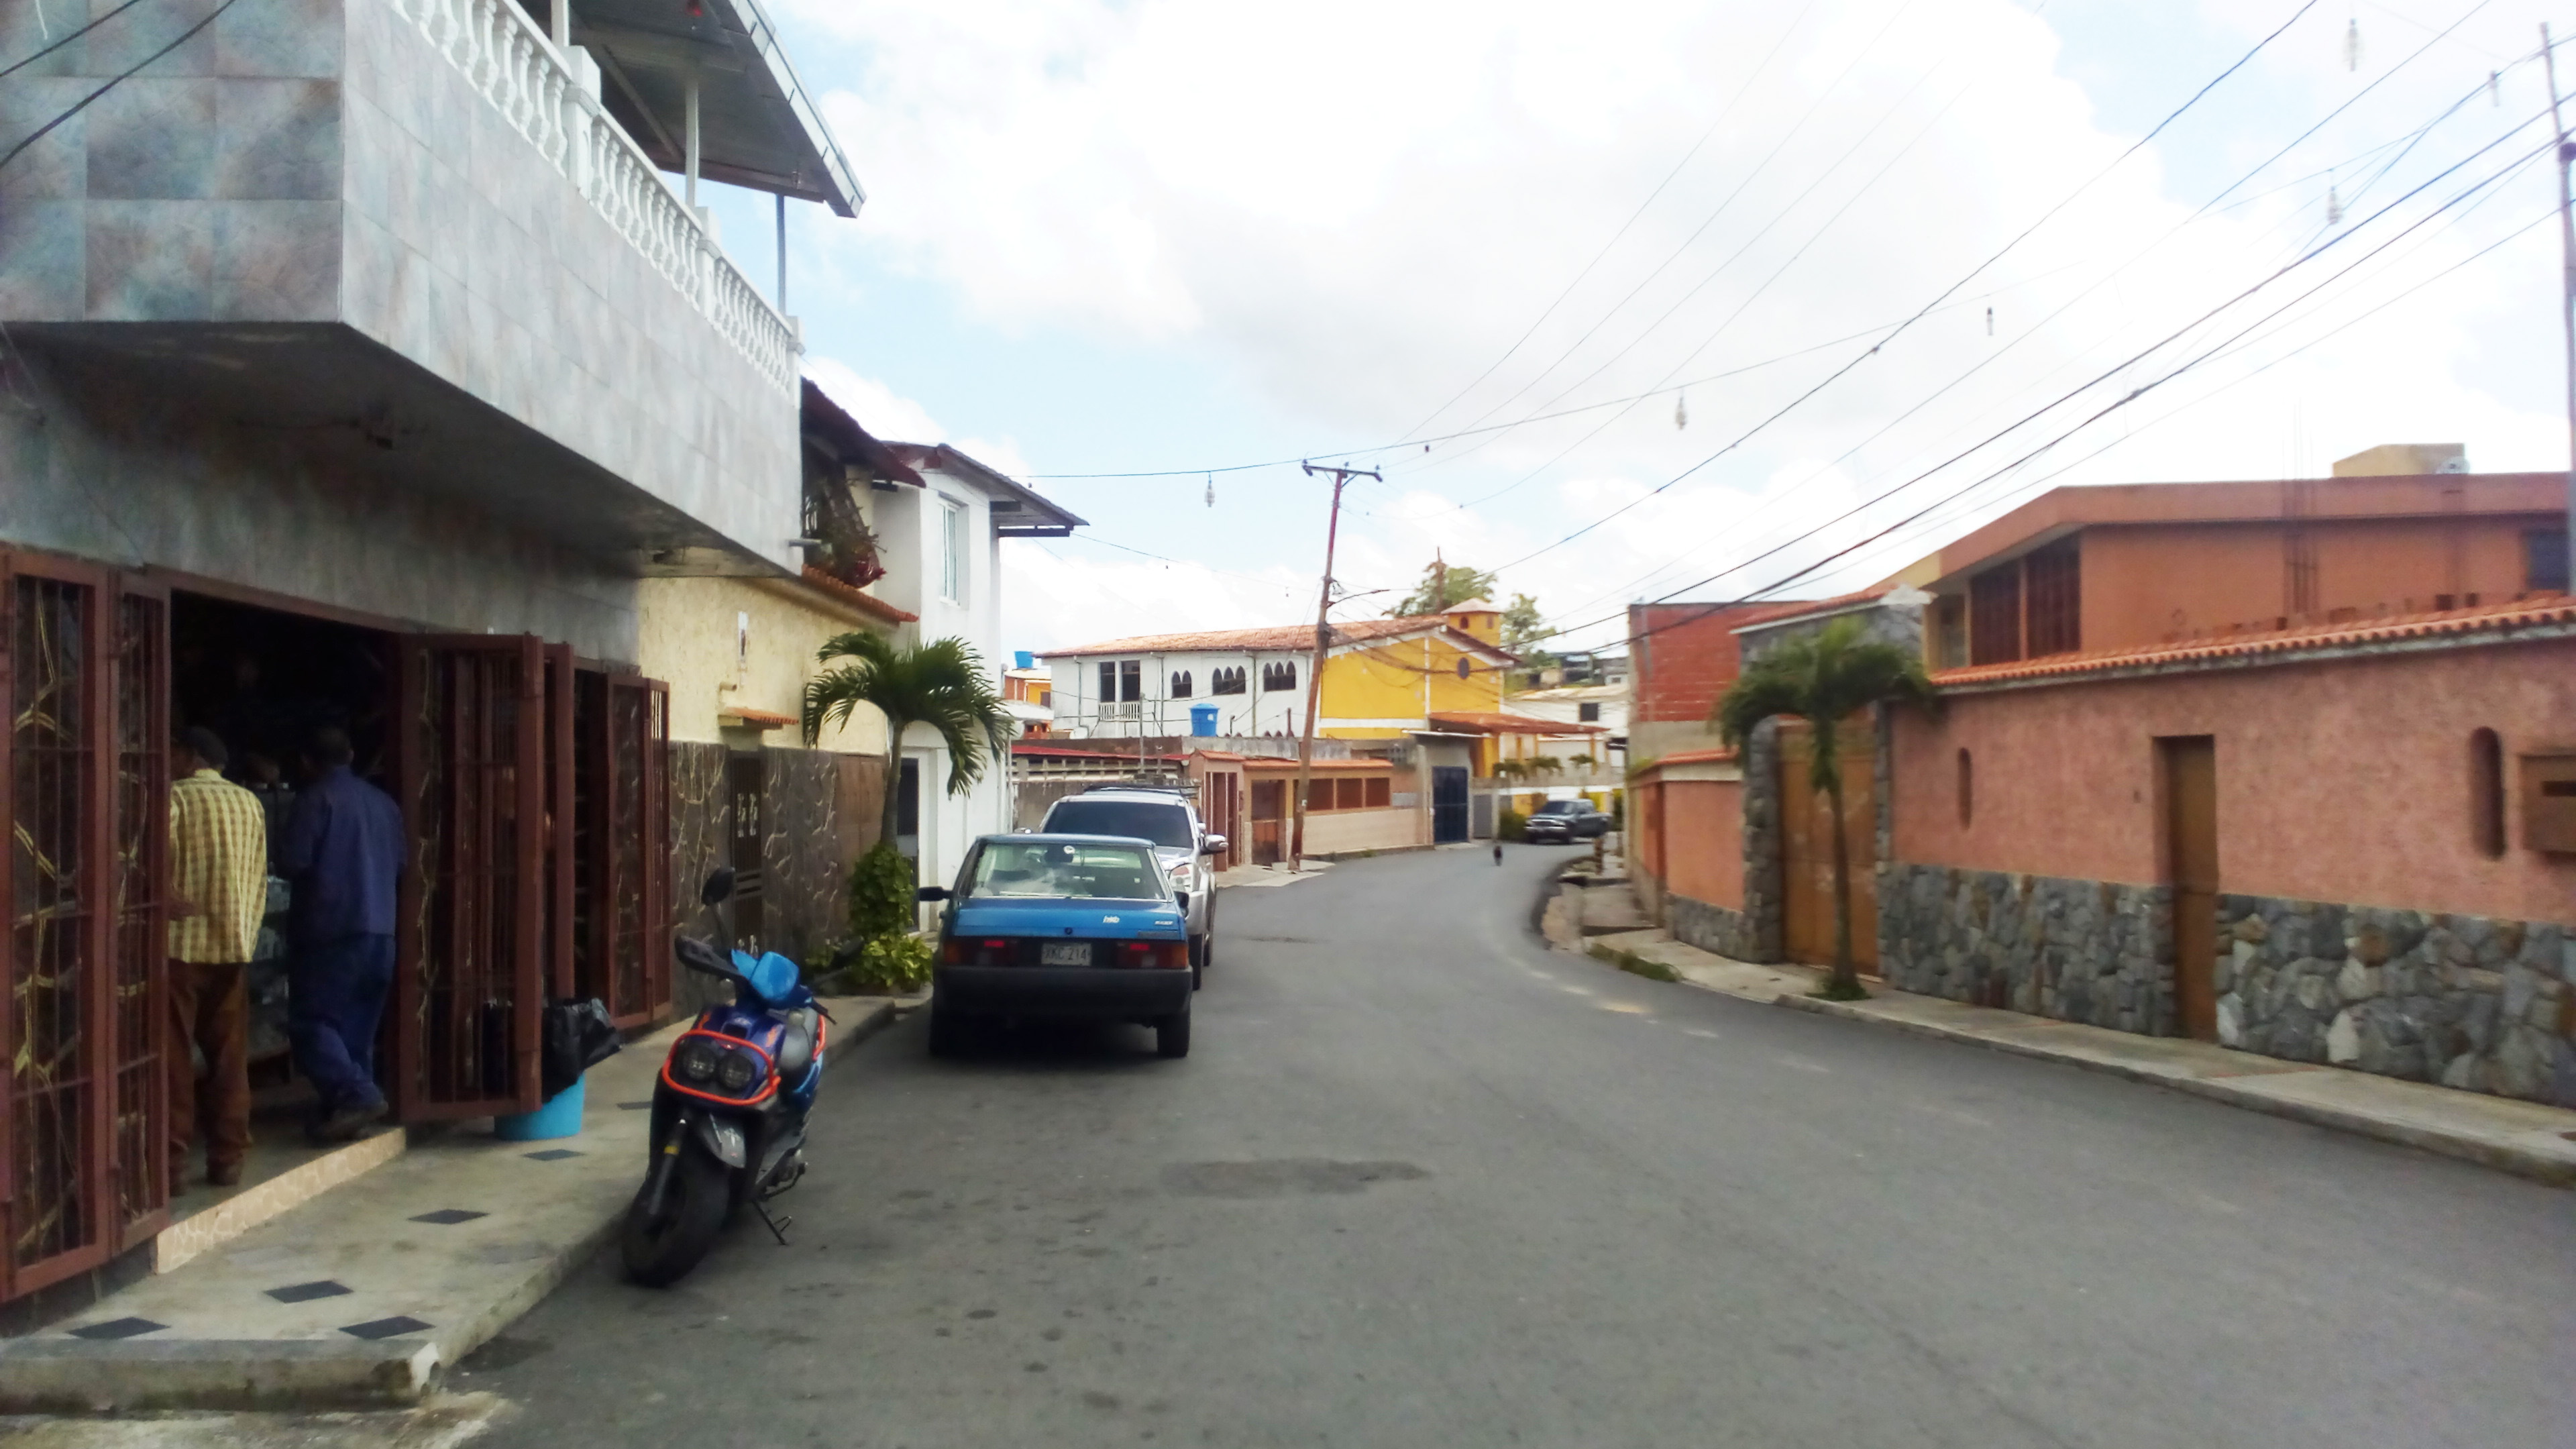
{"x":719,"y":886}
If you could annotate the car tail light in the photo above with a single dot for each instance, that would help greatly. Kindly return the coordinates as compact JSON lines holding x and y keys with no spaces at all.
{"x":954,"y":953}
{"x":1161,"y":955}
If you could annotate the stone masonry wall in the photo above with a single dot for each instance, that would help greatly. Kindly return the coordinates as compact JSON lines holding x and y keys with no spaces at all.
{"x":2465,"y":1001}
{"x":2076,"y":950}
{"x":1713,"y":928}
{"x":1758,"y":935}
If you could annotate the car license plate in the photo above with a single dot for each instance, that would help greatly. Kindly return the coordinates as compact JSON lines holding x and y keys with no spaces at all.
{"x":1064,"y":953}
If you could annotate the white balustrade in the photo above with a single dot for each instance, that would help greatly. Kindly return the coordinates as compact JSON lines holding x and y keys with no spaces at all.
{"x":514,"y":66}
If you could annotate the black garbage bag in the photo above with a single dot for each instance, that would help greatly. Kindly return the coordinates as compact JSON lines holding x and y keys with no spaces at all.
{"x":578,"y":1036}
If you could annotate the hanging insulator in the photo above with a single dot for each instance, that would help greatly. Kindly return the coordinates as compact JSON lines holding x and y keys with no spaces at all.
{"x":2352,"y":44}
{"x":2495,"y":88}
{"x":1990,"y":321}
{"x":1211,"y":493}
{"x":2334,"y":206}
{"x":1681,"y":412}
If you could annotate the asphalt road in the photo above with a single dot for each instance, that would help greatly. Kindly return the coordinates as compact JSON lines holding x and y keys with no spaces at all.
{"x":1424,"y":1183}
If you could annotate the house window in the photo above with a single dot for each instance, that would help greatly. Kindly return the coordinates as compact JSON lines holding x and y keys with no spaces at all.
{"x":2053,"y":598}
{"x":1464,"y":668}
{"x":1226,"y":681}
{"x":2486,"y":793}
{"x":1994,"y":615}
{"x":1587,"y":714}
{"x":1967,"y":788}
{"x":2544,"y":561}
{"x":1108,"y":682}
{"x":1131,"y":680}
{"x":952,"y":550}
{"x":1180,"y":684}
{"x":1381,"y":792}
{"x":1949,"y":631}
{"x":1282,"y":675}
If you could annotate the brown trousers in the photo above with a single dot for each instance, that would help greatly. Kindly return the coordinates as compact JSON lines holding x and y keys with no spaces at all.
{"x":210,"y":1006}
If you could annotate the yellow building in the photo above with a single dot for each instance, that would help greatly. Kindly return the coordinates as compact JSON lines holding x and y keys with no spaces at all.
{"x":737,"y":654}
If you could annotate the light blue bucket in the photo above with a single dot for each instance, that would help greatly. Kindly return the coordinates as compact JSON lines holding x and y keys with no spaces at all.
{"x":559,"y":1117}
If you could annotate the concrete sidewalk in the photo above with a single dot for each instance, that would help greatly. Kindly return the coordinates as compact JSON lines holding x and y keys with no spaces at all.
{"x":364,"y":1295}
{"x":2523,"y":1138}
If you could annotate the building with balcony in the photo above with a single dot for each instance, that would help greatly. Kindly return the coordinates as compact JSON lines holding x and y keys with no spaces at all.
{"x":362,"y":363}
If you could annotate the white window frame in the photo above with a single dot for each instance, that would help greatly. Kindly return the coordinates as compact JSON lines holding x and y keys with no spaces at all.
{"x":952,"y":550}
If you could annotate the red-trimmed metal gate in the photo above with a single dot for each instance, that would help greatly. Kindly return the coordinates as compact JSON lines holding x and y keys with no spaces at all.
{"x":84,"y":788}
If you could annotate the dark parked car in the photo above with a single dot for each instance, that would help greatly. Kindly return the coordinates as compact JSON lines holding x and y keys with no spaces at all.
{"x":1566,"y":820}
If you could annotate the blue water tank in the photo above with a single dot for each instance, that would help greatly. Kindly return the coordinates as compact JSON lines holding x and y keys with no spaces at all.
{"x":1203,"y":721}
{"x":1028,"y":659}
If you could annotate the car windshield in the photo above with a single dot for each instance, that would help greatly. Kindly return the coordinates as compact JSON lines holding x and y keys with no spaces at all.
{"x":1167,"y":825}
{"x":1080,"y":870}
{"x":1561,"y":807}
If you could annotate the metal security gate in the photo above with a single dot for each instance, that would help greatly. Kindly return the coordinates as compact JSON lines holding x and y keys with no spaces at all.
{"x":469,"y":980}
{"x":84,"y":788}
{"x":1448,"y":804}
{"x":622,"y":848}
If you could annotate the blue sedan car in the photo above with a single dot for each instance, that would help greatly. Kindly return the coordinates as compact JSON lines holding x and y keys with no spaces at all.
{"x":1068,"y":927}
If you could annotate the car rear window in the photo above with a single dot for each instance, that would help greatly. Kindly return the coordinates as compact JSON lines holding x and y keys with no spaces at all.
{"x":1143,"y":819}
{"x":1560,"y":807}
{"x":1066,"y":869}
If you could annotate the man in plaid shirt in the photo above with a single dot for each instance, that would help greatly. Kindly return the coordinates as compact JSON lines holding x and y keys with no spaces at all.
{"x":219,"y":876}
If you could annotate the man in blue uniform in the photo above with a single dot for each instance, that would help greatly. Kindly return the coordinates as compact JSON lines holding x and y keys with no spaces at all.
{"x":344,"y":853}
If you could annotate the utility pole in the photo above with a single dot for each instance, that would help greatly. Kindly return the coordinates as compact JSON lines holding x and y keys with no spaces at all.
{"x":2567,"y":279}
{"x":1439,"y":583}
{"x":1315,"y":668}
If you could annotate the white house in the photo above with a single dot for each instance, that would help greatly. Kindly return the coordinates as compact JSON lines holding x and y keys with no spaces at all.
{"x":941,"y":544}
{"x":1602,"y":706}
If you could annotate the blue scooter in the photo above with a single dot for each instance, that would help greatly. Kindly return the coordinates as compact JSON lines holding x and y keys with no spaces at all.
{"x":728,"y":1130}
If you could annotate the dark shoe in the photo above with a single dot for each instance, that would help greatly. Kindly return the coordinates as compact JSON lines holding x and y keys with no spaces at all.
{"x":226,"y":1174}
{"x":347,"y":1123}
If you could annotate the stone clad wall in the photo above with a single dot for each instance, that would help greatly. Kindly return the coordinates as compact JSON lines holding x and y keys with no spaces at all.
{"x":2466,"y":1001}
{"x":1714,"y":928}
{"x":1763,"y":880}
{"x":2076,"y":950}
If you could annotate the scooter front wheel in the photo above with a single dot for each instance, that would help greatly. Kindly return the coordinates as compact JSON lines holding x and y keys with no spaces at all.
{"x":660,"y":1250}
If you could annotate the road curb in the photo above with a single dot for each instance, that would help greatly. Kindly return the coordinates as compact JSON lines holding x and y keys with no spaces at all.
{"x":2502,"y":1156}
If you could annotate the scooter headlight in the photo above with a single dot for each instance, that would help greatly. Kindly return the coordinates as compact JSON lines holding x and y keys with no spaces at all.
{"x":696,"y":1061}
{"x":736,"y":1072}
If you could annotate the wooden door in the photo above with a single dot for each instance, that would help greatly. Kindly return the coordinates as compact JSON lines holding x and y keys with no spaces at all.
{"x":1269,"y":803}
{"x":2190,"y":769}
{"x":624,"y":851}
{"x":1807,"y":846}
{"x":470,"y":974}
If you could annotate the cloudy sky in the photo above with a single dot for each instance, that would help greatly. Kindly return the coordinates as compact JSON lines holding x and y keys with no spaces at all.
{"x":1597,"y":287}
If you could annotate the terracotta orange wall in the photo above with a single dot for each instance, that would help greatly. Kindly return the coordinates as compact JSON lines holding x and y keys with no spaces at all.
{"x":2344,"y":781}
{"x":2151,"y":583}
{"x":1702,"y":846}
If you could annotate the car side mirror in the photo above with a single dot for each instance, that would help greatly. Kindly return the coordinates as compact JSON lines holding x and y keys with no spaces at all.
{"x":1213,"y":845}
{"x":719,"y":886}
{"x":1183,"y":898}
{"x":931,"y":893}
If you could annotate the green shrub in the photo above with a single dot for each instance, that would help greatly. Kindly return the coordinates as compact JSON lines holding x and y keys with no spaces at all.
{"x":881,"y":895}
{"x":1513,"y":825}
{"x":894,"y":965}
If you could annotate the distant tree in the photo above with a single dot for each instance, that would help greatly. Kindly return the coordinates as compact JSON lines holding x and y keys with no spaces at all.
{"x":1522,"y":628}
{"x":1824,"y":678}
{"x":1440,"y":588}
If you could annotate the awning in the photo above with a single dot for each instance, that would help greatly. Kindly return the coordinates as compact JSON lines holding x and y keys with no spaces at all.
{"x":758,"y":127}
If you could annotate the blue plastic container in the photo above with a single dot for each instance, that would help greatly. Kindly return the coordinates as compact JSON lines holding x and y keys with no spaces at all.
{"x":1203,"y":720}
{"x":559,"y":1117}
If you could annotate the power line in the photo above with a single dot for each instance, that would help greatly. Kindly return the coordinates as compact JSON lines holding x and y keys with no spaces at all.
{"x":83,"y":103}
{"x":1946,"y":293}
{"x":1606,"y":247}
{"x":29,"y":60}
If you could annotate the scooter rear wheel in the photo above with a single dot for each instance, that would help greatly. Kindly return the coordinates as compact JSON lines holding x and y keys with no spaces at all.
{"x":660,"y":1253}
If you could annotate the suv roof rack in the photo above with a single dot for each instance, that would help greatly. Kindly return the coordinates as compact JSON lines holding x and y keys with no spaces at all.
{"x":1151,"y":789}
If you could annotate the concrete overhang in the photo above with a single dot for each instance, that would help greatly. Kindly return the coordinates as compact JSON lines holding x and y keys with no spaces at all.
{"x":758,"y":127}
{"x":352,"y":403}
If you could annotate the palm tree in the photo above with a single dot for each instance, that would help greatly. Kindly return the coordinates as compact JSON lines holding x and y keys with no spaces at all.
{"x":940,"y":684}
{"x":1824,"y":677}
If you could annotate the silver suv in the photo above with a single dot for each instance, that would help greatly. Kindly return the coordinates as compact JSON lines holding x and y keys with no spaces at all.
{"x":1181,"y":843}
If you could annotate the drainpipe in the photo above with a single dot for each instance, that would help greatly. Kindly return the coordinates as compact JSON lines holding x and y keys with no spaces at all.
{"x":691,"y":125}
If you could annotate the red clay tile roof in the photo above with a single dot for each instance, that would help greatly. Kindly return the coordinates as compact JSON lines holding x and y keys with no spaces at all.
{"x":1297,"y":637}
{"x":1486,"y":722}
{"x":2549,"y":616}
{"x":1276,"y":762}
{"x":865,"y":603}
